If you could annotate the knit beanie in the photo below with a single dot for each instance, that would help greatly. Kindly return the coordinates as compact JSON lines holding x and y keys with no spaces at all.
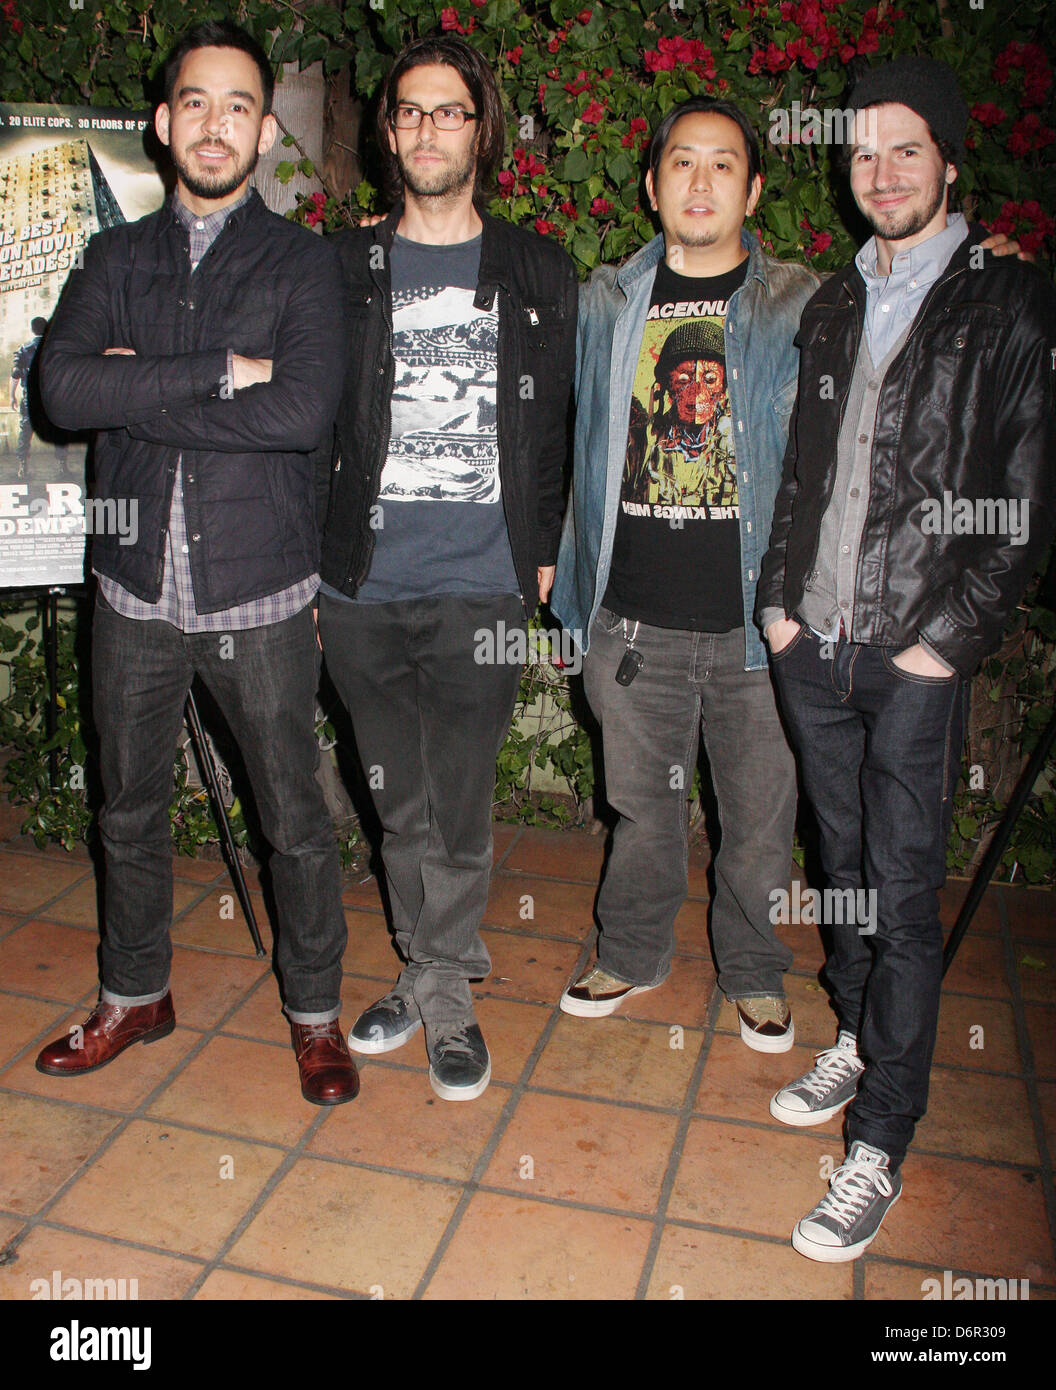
{"x":927,"y":86}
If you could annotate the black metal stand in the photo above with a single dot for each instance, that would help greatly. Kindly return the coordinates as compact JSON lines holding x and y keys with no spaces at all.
{"x":207,"y":766}
{"x":997,"y":845}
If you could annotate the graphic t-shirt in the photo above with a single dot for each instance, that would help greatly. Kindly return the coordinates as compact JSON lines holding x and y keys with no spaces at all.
{"x":439,"y":527}
{"x":676,"y":559}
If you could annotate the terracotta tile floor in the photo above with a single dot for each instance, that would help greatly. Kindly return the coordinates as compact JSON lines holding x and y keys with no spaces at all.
{"x":630,"y":1157}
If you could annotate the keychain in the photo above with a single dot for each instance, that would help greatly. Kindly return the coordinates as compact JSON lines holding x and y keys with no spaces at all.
{"x":632,"y":661}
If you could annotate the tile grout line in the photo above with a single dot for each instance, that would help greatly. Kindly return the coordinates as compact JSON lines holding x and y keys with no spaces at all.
{"x":498,"y":1133}
{"x":1027,"y":1056}
{"x":675,"y":1155}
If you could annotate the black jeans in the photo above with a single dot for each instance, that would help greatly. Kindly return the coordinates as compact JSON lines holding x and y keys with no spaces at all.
{"x":429,"y":719}
{"x":880,"y":751}
{"x":264,"y":680}
{"x":650,"y":728}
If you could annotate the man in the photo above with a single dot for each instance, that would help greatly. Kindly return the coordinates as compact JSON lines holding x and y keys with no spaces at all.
{"x":21,"y":367}
{"x":443,"y":525}
{"x":926,"y":375}
{"x":686,"y":379}
{"x":199,"y":343}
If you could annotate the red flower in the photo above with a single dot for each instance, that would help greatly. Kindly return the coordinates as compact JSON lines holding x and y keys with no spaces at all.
{"x":593,"y":113}
{"x":821,"y":241}
{"x":317,"y":214}
{"x":542,"y":93}
{"x":569,"y":209}
{"x":506,"y":180}
{"x":449,"y":20}
{"x":584,"y":16}
{"x":987,"y":114}
{"x":552,"y":47}
{"x":581,"y":84}
{"x":543,"y":227}
{"x":513,"y":55}
{"x":600,"y":207}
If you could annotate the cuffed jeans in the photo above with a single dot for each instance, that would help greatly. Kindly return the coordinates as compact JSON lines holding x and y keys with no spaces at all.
{"x":880,"y":750}
{"x":264,"y":680}
{"x":429,"y":719}
{"x":650,"y":728}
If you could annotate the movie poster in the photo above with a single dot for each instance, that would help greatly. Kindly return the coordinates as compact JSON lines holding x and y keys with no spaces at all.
{"x":66,"y":172}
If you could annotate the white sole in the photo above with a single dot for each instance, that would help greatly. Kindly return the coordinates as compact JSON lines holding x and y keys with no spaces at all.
{"x":460,"y":1092}
{"x":372,"y":1048}
{"x":801,"y":1119}
{"x":761,"y":1043}
{"x":600,"y":1008}
{"x":835,"y":1254}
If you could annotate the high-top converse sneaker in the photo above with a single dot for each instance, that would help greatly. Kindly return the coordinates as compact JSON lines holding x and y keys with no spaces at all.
{"x":825,"y":1089}
{"x":844,"y":1223}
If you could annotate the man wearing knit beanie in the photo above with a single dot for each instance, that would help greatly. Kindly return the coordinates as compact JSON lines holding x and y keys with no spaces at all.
{"x":926,"y":381}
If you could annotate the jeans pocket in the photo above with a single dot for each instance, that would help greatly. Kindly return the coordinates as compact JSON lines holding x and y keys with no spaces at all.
{"x":909,"y":676}
{"x":607,"y":621}
{"x":789,"y":646}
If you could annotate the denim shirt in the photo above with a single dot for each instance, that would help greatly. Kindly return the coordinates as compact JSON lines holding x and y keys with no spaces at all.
{"x":762,"y":365}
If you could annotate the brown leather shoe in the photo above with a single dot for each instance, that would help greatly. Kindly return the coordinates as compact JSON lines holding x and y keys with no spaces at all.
{"x":110,"y":1028}
{"x":328,"y":1073}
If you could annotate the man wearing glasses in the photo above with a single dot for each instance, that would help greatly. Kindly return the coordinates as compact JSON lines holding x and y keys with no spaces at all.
{"x":443,"y":525}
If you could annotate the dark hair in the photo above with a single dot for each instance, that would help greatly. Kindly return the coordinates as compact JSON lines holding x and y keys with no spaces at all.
{"x":947,"y":153}
{"x":452,"y":52}
{"x":708,"y":106}
{"x":219,"y":34}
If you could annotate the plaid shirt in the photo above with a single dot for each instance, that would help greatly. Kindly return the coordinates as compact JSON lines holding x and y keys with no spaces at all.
{"x":176,"y":604}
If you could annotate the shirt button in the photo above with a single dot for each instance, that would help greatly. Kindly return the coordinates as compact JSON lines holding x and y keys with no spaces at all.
{"x":874,"y":386}
{"x":744,"y":476}
{"x":912,"y":284}
{"x":885,"y":308}
{"x":196,"y":537}
{"x":751,"y":574}
{"x":844,"y":604}
{"x":863,"y":439}
{"x":185,"y":549}
{"x":190,"y":478}
{"x":854,"y":492}
{"x":200,"y":226}
{"x":846,"y":549}
{"x":747,"y":525}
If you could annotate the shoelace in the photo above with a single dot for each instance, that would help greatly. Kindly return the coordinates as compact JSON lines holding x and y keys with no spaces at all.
{"x":831,"y":1066}
{"x":764,"y":1010}
{"x":852,"y":1185}
{"x":457,"y":1041}
{"x":316,"y":1031}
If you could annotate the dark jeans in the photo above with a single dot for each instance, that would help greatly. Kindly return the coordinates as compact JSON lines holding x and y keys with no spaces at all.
{"x":429,"y":721}
{"x":265,"y":686}
{"x":880,"y":751}
{"x":650,"y":730}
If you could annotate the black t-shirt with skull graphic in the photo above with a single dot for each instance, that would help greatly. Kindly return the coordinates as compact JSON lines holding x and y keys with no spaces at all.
{"x":676,"y":559}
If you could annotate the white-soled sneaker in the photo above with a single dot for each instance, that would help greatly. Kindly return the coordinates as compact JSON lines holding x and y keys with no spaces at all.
{"x":845,"y":1222}
{"x":830,"y":1084}
{"x":766,"y":1023}
{"x":597,"y":994}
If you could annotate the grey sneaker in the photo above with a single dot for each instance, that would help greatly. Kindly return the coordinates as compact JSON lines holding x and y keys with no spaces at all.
{"x":459,"y":1062}
{"x":845,"y":1222}
{"x":598,"y":994}
{"x":385,"y":1026}
{"x":825,"y":1089}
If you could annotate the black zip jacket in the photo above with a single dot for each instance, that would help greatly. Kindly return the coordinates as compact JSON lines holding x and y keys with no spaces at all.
{"x":536,"y":286}
{"x":265,"y":288}
{"x":966,"y":411}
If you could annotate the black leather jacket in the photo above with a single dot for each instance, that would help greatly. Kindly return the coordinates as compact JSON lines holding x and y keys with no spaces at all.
{"x":966,"y":409}
{"x":536,"y":286}
{"x":265,"y":288}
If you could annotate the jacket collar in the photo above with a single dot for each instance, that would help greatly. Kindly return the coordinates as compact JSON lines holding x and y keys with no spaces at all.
{"x":852,"y":281}
{"x":650,"y":256}
{"x":246,"y":210}
{"x":494,"y":263}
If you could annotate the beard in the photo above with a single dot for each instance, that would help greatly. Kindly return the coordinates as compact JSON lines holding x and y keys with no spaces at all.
{"x":907,"y":223}
{"x":446,"y":181}
{"x":213,"y":183}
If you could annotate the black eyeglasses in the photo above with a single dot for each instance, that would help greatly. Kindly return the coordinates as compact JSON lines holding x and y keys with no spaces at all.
{"x":406,"y":117}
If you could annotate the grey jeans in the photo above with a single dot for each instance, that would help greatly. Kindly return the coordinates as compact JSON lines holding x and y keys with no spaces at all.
{"x":430,"y":717}
{"x":691,"y":681}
